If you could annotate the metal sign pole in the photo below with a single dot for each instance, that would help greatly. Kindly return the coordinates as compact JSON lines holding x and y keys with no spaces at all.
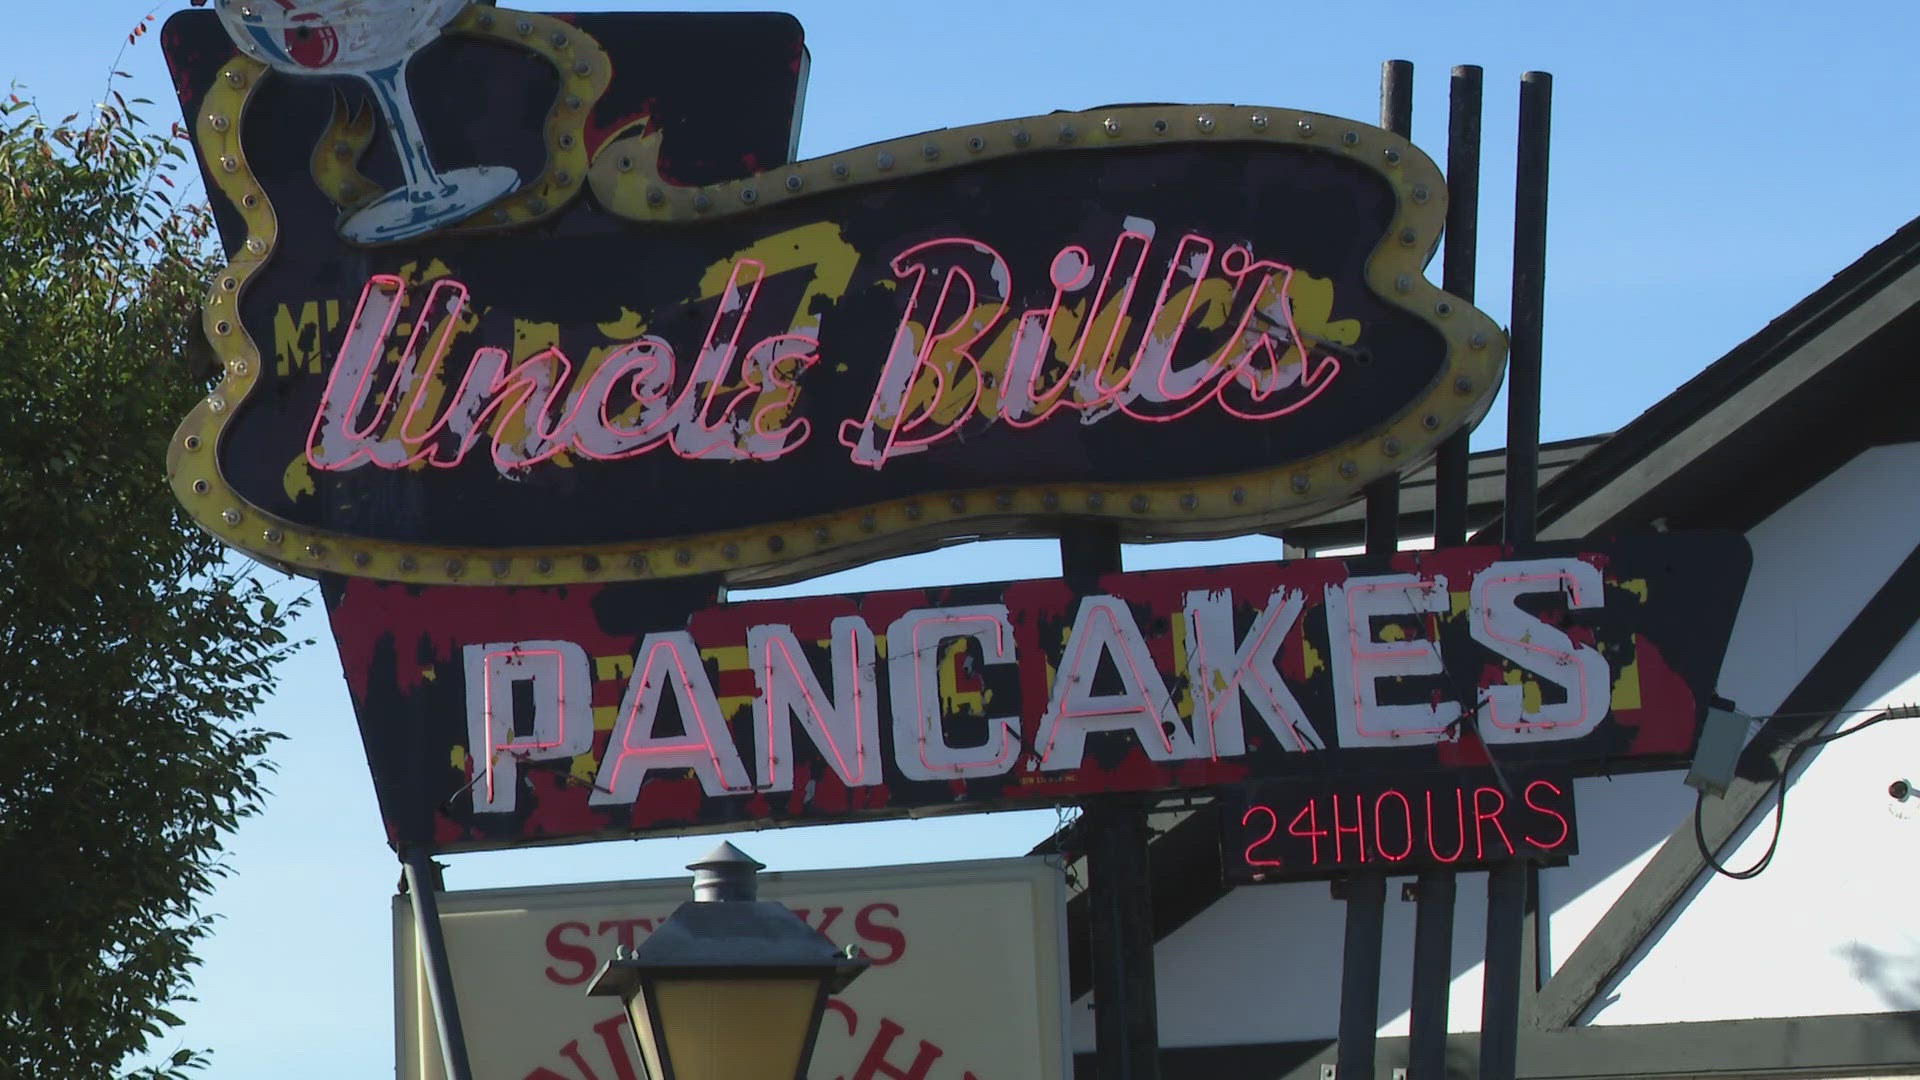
{"x":1507,"y":885}
{"x":1126,"y":1018}
{"x":1366,"y":891}
{"x":422,"y":884}
{"x":1436,"y":889}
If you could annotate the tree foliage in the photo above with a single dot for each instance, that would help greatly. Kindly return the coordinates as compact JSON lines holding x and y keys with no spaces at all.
{"x":132,"y":650}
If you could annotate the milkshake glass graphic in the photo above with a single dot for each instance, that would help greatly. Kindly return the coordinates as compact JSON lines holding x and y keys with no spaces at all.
{"x":374,"y":40}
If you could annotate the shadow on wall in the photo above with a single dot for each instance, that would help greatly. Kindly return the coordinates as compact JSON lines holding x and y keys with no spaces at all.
{"x":1893,"y":977}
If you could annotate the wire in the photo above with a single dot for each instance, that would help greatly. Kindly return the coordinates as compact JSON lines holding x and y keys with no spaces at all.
{"x":1898,"y":712}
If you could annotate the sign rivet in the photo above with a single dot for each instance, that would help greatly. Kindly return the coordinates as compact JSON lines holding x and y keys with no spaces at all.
{"x":317,"y":551}
{"x":1301,"y":484}
{"x":408,"y":564}
{"x":230,"y":516}
{"x":201,"y":487}
{"x":655,"y":196}
{"x":235,"y":78}
{"x":500,"y":567}
{"x":543,"y":565}
{"x":1391,"y":446}
{"x":271,"y":536}
{"x":590,"y":563}
{"x":1112,"y":125}
{"x":776,"y":544}
{"x":1478,"y":341}
{"x":747,"y":195}
{"x":524,"y":27}
{"x":230,"y":163}
{"x":866,"y":522}
{"x":559,"y":41}
{"x":1443,"y":309}
{"x":637,"y":562}
{"x":500,"y":213}
{"x":794,"y":182}
{"x":486,"y":22}
{"x":1021,"y":138}
{"x":1050,"y":501}
{"x":701,"y":202}
{"x":913,"y":511}
{"x":1189,"y":501}
{"x":930,"y":151}
{"x":583,"y":68}
{"x":1351,"y":138}
{"x":976,"y":144}
{"x":219,"y":121}
{"x":566,"y":140}
{"x":1259,"y":121}
{"x":223,"y":328}
{"x":820,"y":534}
{"x":1306,"y":128}
{"x":1392,"y":156}
{"x":217,"y":404}
{"x":1096,"y":500}
{"x":1238,"y":495}
{"x":1204,"y":123}
{"x":1067,"y":133}
{"x":1463,"y":384}
{"x":1348,"y":469}
{"x":1003,"y":499}
{"x":193,"y":442}
{"x":1430,"y":422}
{"x":538,"y":206}
{"x":256,"y":245}
{"x":239,"y":366}
{"x":1408,"y":236}
{"x":840,"y":171}
{"x":1421,"y":193}
{"x":573,"y":101}
{"x":958,"y":502}
{"x":883,"y":161}
{"x":250,"y":200}
{"x":1159,"y":127}
{"x":455,"y":567}
{"x":362,"y":559}
{"x":1140,"y":504}
{"x":1403,"y":283}
{"x":229,"y":284}
{"x":731,"y":551}
{"x":626,"y":163}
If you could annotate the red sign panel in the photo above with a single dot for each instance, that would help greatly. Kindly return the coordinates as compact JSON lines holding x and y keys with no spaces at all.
{"x":506,"y":716}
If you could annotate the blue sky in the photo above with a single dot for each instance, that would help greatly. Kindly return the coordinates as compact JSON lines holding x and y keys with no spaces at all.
{"x":1709,"y":170}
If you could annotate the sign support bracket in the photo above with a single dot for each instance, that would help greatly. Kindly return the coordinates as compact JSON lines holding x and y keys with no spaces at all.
{"x":423,"y":882}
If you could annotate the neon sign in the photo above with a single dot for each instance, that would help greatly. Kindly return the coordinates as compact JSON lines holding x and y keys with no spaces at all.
{"x":615,"y":715}
{"x":1186,"y":320}
{"x":1289,"y":830}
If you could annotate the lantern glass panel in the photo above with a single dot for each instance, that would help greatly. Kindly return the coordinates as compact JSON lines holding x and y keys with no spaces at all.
{"x":720,"y":1028}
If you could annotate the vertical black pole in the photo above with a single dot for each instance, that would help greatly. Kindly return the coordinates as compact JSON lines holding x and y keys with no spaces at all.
{"x":1500,"y":1001}
{"x":1436,"y":889}
{"x":1459,"y":265}
{"x":1126,"y":1019}
{"x":422,"y":884}
{"x":1507,"y":885}
{"x":1432,"y":975}
{"x":1367,"y":890}
{"x":1529,"y":307}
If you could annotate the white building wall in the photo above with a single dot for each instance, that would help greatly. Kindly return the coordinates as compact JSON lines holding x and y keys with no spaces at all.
{"x":1832,"y":927}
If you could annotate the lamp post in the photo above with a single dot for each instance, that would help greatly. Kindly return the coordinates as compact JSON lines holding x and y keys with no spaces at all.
{"x":730,"y":987}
